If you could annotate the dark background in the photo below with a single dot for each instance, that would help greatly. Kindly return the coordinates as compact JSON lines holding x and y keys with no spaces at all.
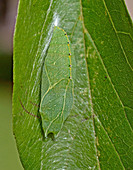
{"x":9,"y":159}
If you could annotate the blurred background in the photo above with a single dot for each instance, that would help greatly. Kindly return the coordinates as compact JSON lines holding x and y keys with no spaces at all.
{"x":9,"y":159}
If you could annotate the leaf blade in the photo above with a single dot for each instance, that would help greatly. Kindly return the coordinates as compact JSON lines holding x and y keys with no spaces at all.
{"x":81,"y":127}
{"x":108,"y":61}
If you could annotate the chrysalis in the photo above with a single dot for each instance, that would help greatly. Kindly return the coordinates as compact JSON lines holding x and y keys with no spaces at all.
{"x":57,"y":87}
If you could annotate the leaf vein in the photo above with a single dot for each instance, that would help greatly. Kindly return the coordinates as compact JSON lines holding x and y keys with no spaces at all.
{"x":117,"y":35}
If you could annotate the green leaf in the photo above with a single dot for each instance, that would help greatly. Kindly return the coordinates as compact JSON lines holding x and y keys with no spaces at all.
{"x":98,"y":131}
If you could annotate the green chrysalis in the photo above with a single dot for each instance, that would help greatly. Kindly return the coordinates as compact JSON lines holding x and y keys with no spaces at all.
{"x":57,"y":87}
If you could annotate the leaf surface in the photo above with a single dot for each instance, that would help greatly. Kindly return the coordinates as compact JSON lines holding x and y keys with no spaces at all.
{"x":98,"y":132}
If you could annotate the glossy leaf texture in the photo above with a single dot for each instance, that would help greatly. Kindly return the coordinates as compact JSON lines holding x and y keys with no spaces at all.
{"x":98,"y":132}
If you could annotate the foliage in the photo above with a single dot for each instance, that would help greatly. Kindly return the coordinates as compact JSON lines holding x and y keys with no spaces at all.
{"x":98,"y":132}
